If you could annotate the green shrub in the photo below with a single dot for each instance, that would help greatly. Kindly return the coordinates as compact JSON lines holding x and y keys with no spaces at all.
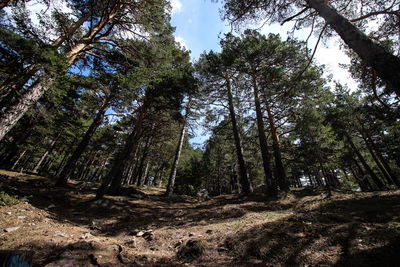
{"x":7,"y":200}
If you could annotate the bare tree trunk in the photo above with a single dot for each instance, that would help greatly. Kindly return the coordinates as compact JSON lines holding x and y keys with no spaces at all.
{"x":26,"y":101}
{"x":364,"y":177}
{"x":375,"y":178}
{"x":70,"y":166}
{"x":48,"y":151}
{"x":280,"y":170}
{"x":19,"y":158}
{"x":146,"y":173}
{"x":243,"y":172}
{"x":115,"y":174}
{"x":386,"y":170}
{"x":141,"y":177}
{"x":171,"y":182}
{"x":385,"y":64}
{"x":269,"y":179}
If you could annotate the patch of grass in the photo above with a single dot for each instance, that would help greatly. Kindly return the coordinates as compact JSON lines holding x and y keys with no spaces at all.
{"x":8,"y":200}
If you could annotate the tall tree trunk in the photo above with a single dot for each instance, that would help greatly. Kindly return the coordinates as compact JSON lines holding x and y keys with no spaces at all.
{"x":96,"y":175}
{"x":18,"y":159}
{"x":280,"y":170}
{"x":377,"y":161}
{"x":364,"y":177}
{"x":48,"y":151}
{"x":243,"y":172}
{"x":380,"y":161}
{"x":357,"y":178}
{"x":26,"y":101}
{"x":115,"y":174}
{"x":70,"y":166}
{"x":146,"y":173}
{"x":146,"y":150}
{"x":88,"y":167}
{"x":375,"y":178}
{"x":385,"y":64}
{"x":269,"y":179}
{"x":171,"y":182}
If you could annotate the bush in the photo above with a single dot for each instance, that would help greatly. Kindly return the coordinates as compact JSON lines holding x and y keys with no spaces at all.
{"x":7,"y":200}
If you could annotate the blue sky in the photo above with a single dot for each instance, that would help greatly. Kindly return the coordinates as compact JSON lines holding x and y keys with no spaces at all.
{"x":198,"y":24}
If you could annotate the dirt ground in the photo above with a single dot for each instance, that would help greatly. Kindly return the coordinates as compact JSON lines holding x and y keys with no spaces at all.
{"x":66,"y":227}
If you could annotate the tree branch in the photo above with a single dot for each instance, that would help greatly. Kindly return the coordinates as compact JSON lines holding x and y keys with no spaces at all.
{"x":294,"y":16}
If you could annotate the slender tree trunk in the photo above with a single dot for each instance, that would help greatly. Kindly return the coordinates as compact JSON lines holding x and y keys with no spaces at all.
{"x":88,"y":167}
{"x":146,"y":173}
{"x":377,"y":161}
{"x":146,"y":150}
{"x":280,"y":170}
{"x":171,"y":182}
{"x":385,"y":64}
{"x":383,"y":165}
{"x":358,"y":179}
{"x":52,"y":145}
{"x":19,"y":159}
{"x":63,"y":161}
{"x":243,"y":172}
{"x":325,"y":174}
{"x":70,"y":166}
{"x":375,"y":178}
{"x":269,"y":179}
{"x":364,"y":177}
{"x":115,"y":174}
{"x":26,"y":101}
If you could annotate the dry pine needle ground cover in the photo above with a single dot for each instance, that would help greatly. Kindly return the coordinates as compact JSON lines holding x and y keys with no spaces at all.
{"x":66,"y":227}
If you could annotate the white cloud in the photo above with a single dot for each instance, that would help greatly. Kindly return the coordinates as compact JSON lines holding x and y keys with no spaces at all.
{"x":190,"y":21}
{"x":176,"y":6}
{"x":180,"y":40}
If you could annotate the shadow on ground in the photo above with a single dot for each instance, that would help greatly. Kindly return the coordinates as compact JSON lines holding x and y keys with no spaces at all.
{"x":355,"y":232}
{"x":347,"y":230}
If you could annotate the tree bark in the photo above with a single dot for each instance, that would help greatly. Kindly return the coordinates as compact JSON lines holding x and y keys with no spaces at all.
{"x":269,"y":179}
{"x":385,"y":64}
{"x":146,"y":150}
{"x":70,"y":166}
{"x":48,"y":151}
{"x":243,"y":172}
{"x":280,"y":170}
{"x":375,"y":178}
{"x":19,"y":158}
{"x":146,"y":173}
{"x":171,"y":181}
{"x":115,"y":174}
{"x":364,"y":179}
{"x":26,"y":101}
{"x":387,"y":171}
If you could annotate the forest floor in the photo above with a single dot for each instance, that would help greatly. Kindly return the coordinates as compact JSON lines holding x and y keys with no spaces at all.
{"x":66,"y":227}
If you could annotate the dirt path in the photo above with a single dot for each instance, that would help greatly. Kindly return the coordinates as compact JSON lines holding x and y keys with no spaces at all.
{"x":65,"y":227}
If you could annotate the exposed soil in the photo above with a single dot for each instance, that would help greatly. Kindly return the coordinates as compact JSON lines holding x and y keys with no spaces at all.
{"x":66,"y":227}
